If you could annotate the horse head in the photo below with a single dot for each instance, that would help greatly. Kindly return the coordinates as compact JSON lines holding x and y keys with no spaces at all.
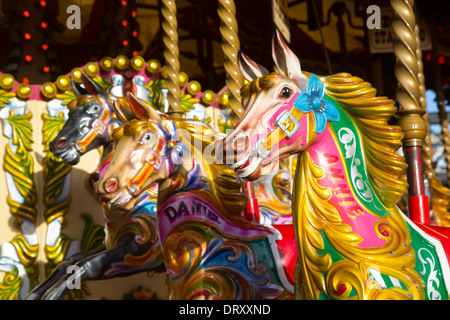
{"x":277,"y":121}
{"x":89,"y":124}
{"x":143,"y":153}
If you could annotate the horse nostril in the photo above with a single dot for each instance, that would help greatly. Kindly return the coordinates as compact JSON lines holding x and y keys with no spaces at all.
{"x":111,"y":184}
{"x":61,"y":143}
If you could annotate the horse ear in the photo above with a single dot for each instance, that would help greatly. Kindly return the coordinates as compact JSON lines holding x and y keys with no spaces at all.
{"x":249,"y":68}
{"x":122,"y":110}
{"x":287,"y":62}
{"x":142,"y":110}
{"x":93,"y":87}
{"x":77,"y":89}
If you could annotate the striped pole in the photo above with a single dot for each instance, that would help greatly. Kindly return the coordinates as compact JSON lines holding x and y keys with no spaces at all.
{"x":171,"y":55}
{"x":235,"y":81}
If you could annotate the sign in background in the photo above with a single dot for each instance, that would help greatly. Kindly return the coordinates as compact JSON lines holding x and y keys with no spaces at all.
{"x":381,"y":39}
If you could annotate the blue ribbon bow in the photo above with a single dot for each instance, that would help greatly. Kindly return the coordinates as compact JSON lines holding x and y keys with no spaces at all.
{"x":313,"y":101}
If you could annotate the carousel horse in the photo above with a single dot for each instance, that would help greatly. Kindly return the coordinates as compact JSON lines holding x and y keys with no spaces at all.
{"x":210,"y":250}
{"x":353,"y":241}
{"x":131,"y":243}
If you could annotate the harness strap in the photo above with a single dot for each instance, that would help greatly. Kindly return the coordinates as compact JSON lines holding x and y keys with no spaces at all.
{"x":153,"y":161}
{"x":99,"y":126}
{"x":286,"y":124}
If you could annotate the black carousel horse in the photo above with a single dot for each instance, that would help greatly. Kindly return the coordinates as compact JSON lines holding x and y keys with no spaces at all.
{"x":131,"y":245}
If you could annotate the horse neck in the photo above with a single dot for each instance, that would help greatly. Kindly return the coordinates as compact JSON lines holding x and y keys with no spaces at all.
{"x":108,"y":150}
{"x":352,"y":198}
{"x":188,"y":175}
{"x":196,"y":178}
{"x":333,"y":222}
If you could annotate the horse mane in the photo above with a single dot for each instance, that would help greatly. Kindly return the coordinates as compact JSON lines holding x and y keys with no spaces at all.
{"x":222,"y":180}
{"x":380,"y":140}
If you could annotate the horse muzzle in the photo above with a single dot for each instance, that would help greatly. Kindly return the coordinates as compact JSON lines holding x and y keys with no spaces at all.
{"x":63,"y":150}
{"x":243,"y":161}
{"x":110,"y":193}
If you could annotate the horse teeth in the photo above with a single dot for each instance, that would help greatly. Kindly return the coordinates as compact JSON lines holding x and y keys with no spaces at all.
{"x":63,"y":154}
{"x":120,"y":200}
{"x":239,"y":163}
{"x":111,"y":202}
{"x":67,"y":153}
{"x":125,"y":199}
{"x":248,"y":170}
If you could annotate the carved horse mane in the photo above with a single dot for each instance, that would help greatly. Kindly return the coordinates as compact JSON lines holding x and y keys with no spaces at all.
{"x":385,"y":168}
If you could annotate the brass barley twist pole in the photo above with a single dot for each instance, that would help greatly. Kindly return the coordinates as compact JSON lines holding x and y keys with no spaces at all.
{"x":408,"y":95}
{"x":235,"y":81}
{"x":171,"y":54}
{"x":427,"y":151}
{"x":230,"y":47}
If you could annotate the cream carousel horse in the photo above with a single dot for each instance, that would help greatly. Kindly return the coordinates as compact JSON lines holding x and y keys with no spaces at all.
{"x":210,"y":250}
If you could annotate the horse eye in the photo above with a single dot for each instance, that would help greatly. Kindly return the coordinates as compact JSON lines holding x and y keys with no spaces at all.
{"x":286,"y":92}
{"x":93,"y":109}
{"x":146,"y":138}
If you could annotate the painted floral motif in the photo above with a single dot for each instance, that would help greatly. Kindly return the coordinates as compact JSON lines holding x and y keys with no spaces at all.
{"x":313,"y":101}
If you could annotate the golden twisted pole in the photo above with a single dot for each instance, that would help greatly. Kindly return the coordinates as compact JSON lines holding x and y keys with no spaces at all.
{"x":427,"y":151}
{"x":171,"y":54}
{"x":410,"y":110}
{"x":234,"y":80}
{"x":230,"y":47}
{"x":420,"y":75}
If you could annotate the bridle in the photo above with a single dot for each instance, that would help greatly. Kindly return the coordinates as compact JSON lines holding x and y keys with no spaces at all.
{"x":154,"y":159}
{"x":99,"y":127}
{"x":285,"y":123}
